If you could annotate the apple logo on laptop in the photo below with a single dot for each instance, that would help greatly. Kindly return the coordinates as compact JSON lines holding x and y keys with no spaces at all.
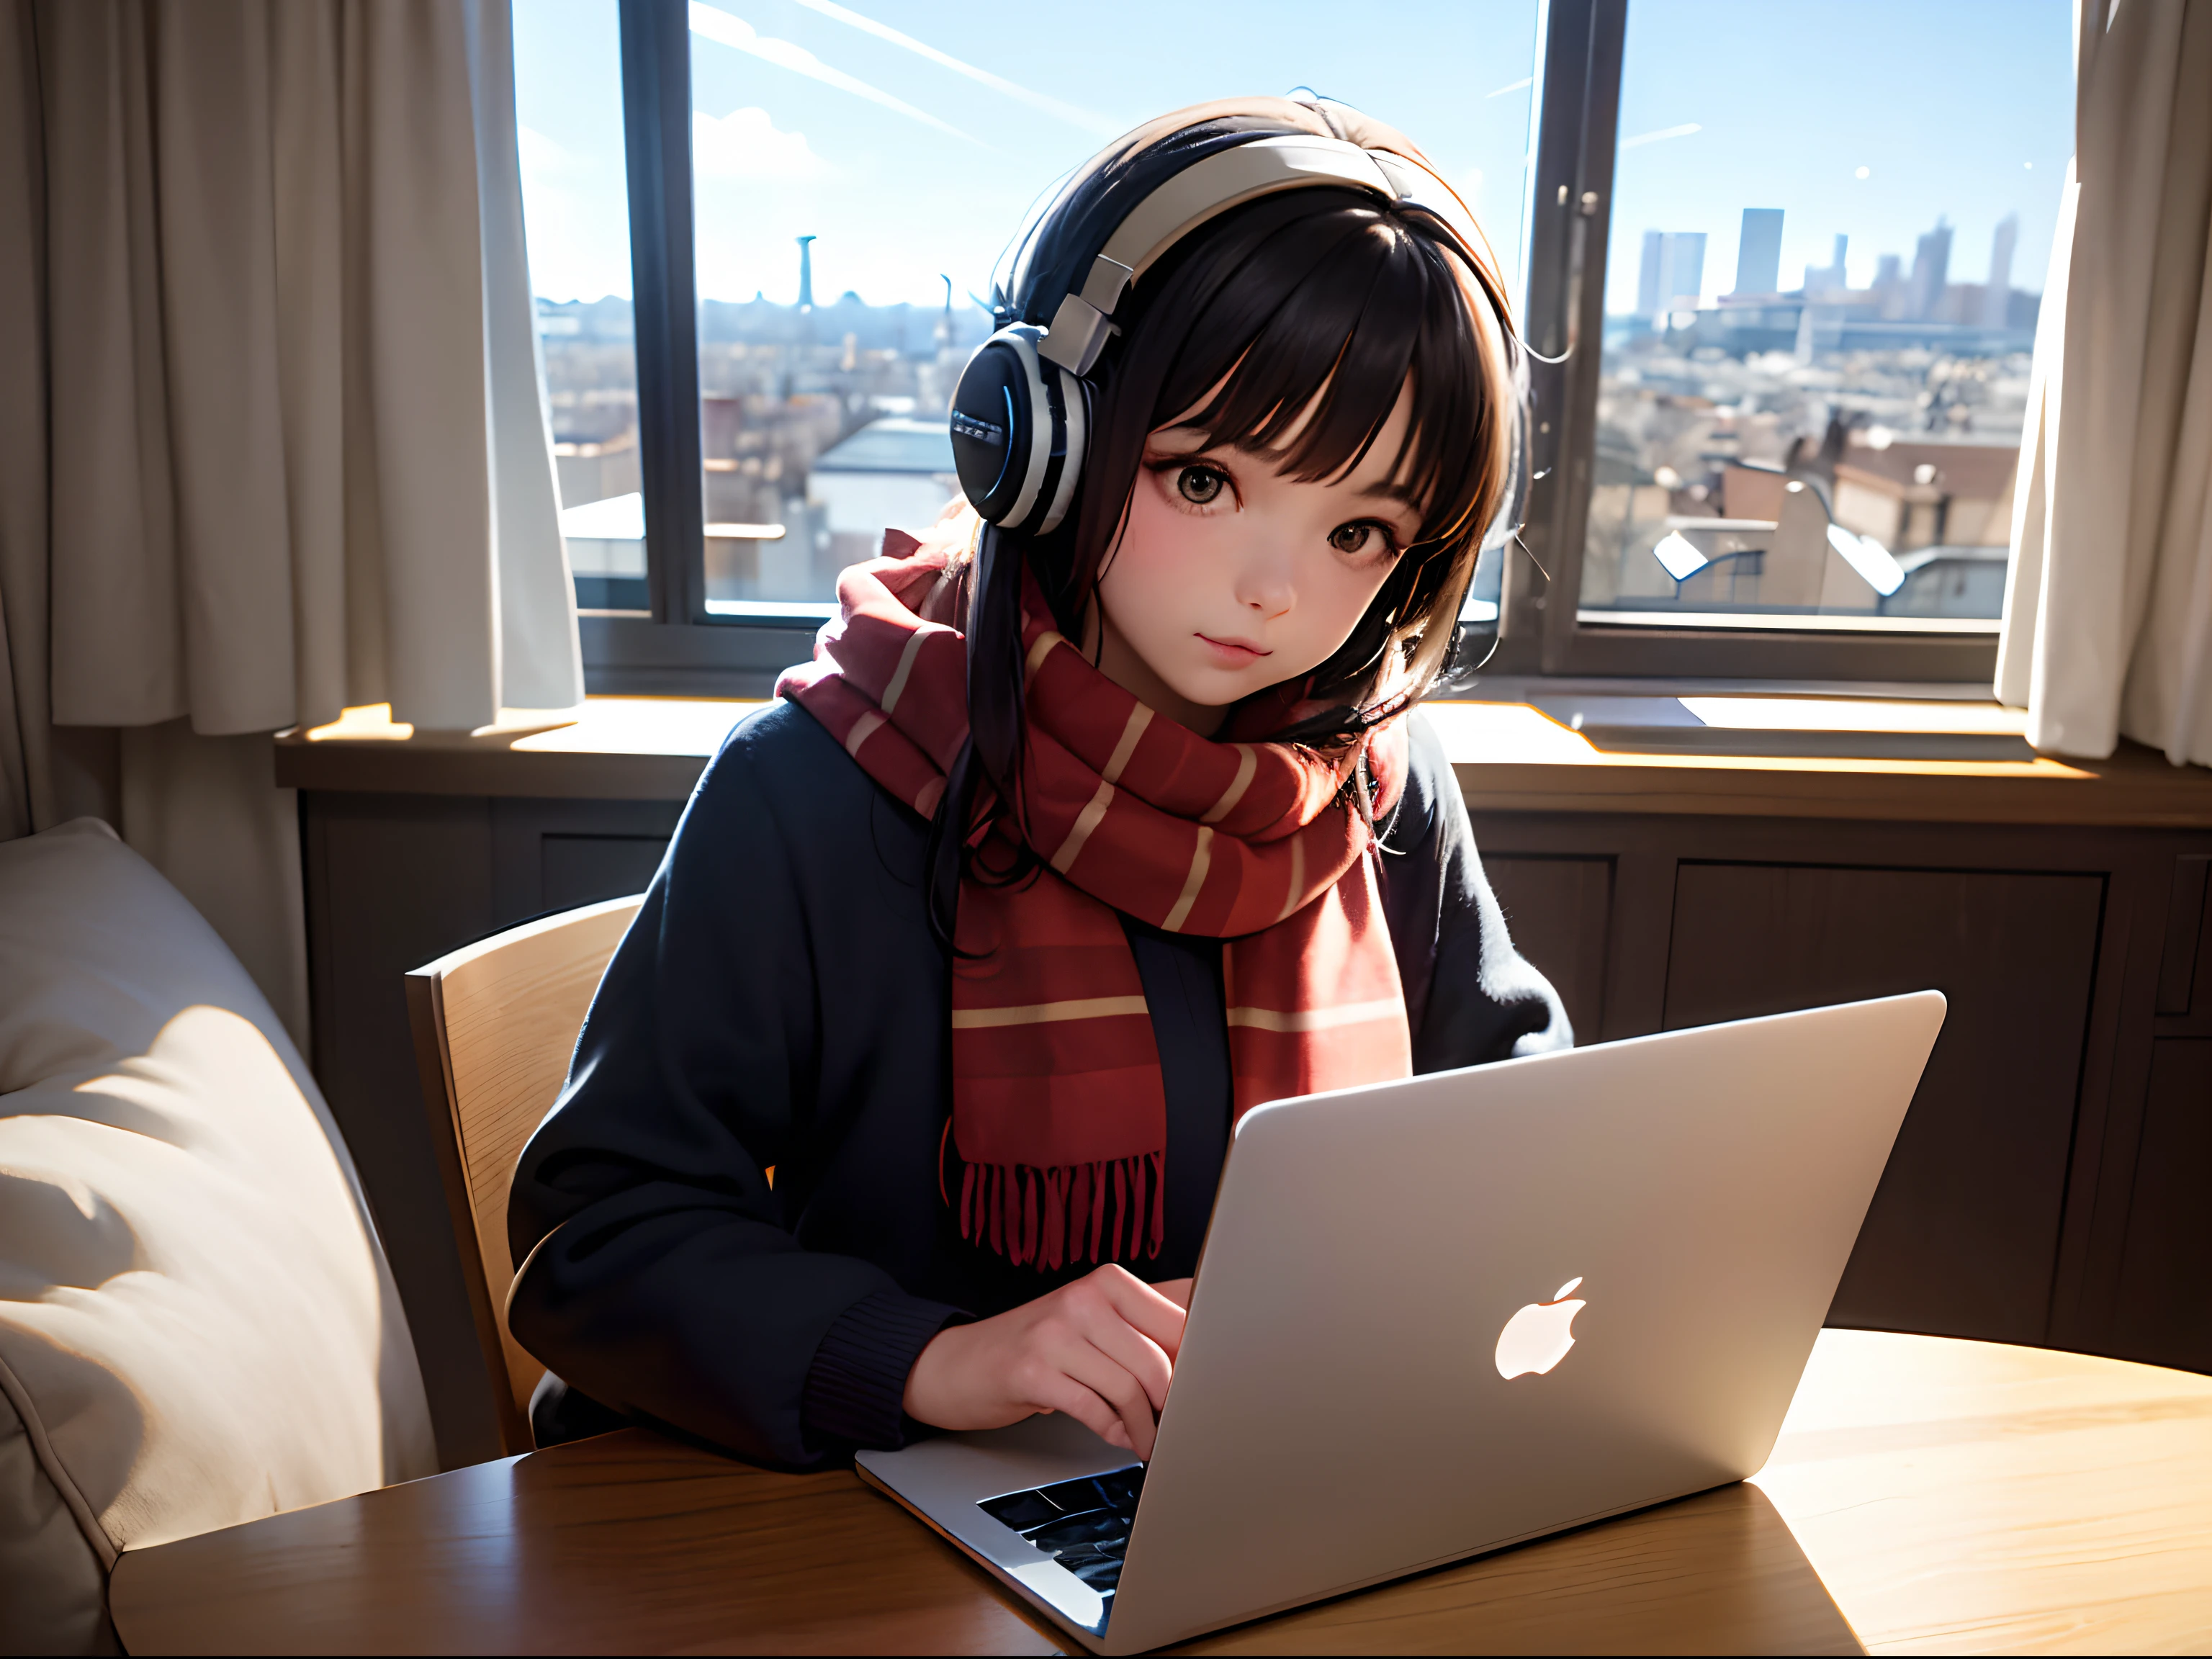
{"x":1538,"y":1337}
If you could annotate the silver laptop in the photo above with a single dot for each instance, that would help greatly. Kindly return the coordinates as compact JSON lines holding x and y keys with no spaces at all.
{"x":1438,"y":1316}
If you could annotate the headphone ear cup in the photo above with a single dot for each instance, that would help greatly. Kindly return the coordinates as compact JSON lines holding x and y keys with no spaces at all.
{"x":1011,"y":432}
{"x":991,"y":420}
{"x":1071,"y":416}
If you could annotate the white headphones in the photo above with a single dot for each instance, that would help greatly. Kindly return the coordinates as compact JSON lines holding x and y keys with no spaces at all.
{"x":1021,"y":415}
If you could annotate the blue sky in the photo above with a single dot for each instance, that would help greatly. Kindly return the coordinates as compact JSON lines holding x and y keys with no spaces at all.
{"x":808,"y":122}
{"x":896,"y":200}
{"x":1945,"y":103}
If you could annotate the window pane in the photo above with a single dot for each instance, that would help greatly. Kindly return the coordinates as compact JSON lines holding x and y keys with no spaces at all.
{"x":1830,"y":226}
{"x":857,"y":174}
{"x":568,"y":94}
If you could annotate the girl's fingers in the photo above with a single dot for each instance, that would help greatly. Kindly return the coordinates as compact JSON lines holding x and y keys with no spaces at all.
{"x":1134,"y":1353}
{"x":1107,"y":1377}
{"x":1063,"y":1392}
{"x":1142,"y":1306}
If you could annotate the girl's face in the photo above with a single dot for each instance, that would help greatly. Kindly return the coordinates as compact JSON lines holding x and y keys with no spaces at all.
{"x":1232,"y":577}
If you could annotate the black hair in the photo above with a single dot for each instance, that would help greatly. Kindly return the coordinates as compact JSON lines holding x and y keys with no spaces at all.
{"x":1320,"y":293}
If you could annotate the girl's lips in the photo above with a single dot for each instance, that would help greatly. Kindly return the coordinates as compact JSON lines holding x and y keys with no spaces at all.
{"x":1235,"y":653}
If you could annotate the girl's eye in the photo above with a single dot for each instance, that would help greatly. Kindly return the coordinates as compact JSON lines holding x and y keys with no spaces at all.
{"x":1360,"y":537}
{"x":1200,"y":485}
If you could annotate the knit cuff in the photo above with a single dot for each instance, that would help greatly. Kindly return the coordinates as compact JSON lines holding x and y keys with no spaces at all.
{"x":858,"y":1381}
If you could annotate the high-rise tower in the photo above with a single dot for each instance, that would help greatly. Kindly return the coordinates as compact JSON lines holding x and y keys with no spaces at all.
{"x":1825,"y":279}
{"x":1684,"y":279}
{"x":805,"y":273}
{"x":1673,"y":274}
{"x":1759,"y":251}
{"x":1996,"y":292}
{"x":1932,"y":273}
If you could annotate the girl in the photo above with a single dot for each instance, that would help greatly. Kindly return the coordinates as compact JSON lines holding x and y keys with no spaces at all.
{"x":904,"y":1100}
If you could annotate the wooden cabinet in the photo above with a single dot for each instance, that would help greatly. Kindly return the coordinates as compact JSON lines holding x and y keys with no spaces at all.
{"x":393,"y":881}
{"x":1963,"y":1234}
{"x":2052,"y":1183}
{"x":1567,"y":904}
{"x":2161,"y":1307}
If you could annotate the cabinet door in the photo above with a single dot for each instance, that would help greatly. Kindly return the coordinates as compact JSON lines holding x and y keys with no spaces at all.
{"x":1963,"y":1231}
{"x":585,"y":869}
{"x":1557,"y":910}
{"x":393,"y":881}
{"x":550,"y":855}
{"x":2162,"y":1305}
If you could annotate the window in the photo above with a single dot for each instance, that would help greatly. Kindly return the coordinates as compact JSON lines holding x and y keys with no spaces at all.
{"x":1812,"y":242}
{"x":816,"y":213}
{"x":1785,"y":257}
{"x":569,"y":110}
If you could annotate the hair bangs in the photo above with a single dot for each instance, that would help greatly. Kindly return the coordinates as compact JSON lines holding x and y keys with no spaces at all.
{"x":1375,"y":313}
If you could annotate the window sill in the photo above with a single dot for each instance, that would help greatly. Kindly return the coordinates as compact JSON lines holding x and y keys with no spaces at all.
{"x":627,"y":653}
{"x":1509,"y":757}
{"x":615,"y":748}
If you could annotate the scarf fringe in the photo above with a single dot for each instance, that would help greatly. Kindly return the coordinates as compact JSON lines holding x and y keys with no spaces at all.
{"x":1052,"y":1217}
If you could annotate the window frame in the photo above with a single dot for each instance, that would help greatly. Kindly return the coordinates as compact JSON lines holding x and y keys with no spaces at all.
{"x":680,"y":649}
{"x":1577,"y":124}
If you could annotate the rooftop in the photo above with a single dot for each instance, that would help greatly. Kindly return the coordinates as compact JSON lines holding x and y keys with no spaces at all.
{"x":894,"y":444}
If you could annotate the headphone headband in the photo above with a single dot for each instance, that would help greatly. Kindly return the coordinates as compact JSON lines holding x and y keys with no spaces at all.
{"x":1209,"y":187}
{"x":1021,"y":411}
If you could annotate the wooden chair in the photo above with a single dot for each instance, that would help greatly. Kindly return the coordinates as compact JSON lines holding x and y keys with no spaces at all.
{"x":495,"y":1024}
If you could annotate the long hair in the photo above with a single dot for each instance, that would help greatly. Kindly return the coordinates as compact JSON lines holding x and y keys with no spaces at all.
{"x":1320,"y":297}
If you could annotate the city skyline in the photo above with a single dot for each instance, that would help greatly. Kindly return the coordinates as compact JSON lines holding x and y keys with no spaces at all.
{"x":1671,"y":270}
{"x":1824,"y":233}
{"x":1866,"y":119}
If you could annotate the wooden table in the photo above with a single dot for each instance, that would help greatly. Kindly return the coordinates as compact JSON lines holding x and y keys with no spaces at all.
{"x":1946,"y":1496}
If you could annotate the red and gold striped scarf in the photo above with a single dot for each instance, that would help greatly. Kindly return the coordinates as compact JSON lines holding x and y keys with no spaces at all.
{"x":1058,"y":1112}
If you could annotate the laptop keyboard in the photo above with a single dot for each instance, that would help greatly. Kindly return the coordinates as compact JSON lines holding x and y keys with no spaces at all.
{"x":1083,"y":1524}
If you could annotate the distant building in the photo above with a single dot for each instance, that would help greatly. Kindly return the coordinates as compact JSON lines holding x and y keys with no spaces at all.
{"x":892,"y":473}
{"x":1932,"y":270}
{"x":1911,"y":495}
{"x":1759,"y":251}
{"x":589,"y":471}
{"x":1964,"y":304}
{"x":1889,"y":287}
{"x":606,"y":552}
{"x":1647,"y":275}
{"x":1826,"y":279}
{"x":1996,"y":292}
{"x":1682,"y":276}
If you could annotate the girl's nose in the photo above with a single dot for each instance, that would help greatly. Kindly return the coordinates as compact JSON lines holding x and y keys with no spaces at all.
{"x":1264,"y":585}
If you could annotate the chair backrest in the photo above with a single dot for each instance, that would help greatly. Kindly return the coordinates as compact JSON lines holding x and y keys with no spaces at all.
{"x":495,"y":1025}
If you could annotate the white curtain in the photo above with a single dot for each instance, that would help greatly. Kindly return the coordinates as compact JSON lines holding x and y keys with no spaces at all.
{"x":277,"y":444}
{"x":2108,"y":609}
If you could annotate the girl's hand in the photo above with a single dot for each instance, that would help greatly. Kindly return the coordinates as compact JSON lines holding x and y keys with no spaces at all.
{"x":1102,"y":1350}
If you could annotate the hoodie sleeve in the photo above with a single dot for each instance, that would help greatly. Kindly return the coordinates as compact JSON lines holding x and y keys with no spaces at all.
{"x":1472,"y":996}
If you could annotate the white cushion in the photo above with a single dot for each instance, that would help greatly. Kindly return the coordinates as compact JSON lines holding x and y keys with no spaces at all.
{"x":196,"y":1315}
